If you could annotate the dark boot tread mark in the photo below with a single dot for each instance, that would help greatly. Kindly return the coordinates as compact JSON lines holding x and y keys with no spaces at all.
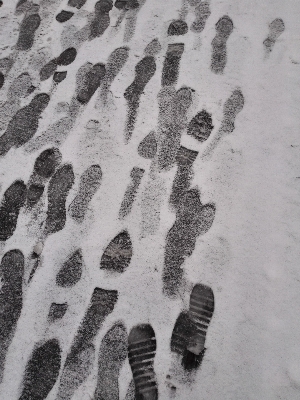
{"x":102,"y":20}
{"x":224,"y":27}
{"x":118,"y":253}
{"x":34,"y":193}
{"x":148,"y":146}
{"x":136,"y":175}
{"x":177,"y":28}
{"x":141,"y":353}
{"x":76,"y":3}
{"x":202,"y":13}
{"x":59,"y":76}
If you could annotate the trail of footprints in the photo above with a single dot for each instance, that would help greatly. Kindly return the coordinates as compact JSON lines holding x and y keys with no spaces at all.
{"x":53,"y":178}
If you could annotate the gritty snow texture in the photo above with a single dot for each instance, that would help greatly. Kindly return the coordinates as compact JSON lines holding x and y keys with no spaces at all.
{"x":149,"y":199}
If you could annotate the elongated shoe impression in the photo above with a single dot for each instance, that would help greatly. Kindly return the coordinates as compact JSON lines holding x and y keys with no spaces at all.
{"x":189,"y":333}
{"x":112,"y":354}
{"x":13,"y":199}
{"x":141,"y":353}
{"x":41,"y":371}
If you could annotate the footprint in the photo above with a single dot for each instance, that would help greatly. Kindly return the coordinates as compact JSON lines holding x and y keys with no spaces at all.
{"x":144,"y":71}
{"x":148,"y":146}
{"x":64,"y":59}
{"x":24,"y":124}
{"x":58,"y":190}
{"x":202,"y":12}
{"x":27,"y":31}
{"x":80,"y":359}
{"x":112,"y":354}
{"x":189,"y":333}
{"x":118,"y":253}
{"x":233,"y":105}
{"x":59,"y":76}
{"x":141,"y":353}
{"x":34,"y":193}
{"x":185,"y":159}
{"x":136,"y":175}
{"x":64,"y":16}
{"x":92,"y":81}
{"x":102,"y":20}
{"x":76,"y":3}
{"x":115,"y":63}
{"x":192,"y":220}
{"x":224,"y":28}
{"x":170,"y":133}
{"x":57,"y":311}
{"x":177,"y":28}
{"x":276,"y":28}
{"x":200,"y":126}
{"x":41,"y":371}
{"x":171,"y":64}
{"x":47,"y":162}
{"x":89,"y":184}
{"x":11,"y":299}
{"x":13,"y":199}
{"x":2,"y":79}
{"x":71,"y":271}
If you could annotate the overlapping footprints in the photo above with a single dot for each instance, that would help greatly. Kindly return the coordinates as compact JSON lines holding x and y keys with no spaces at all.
{"x":189,"y":333}
{"x":80,"y":358}
{"x":192,"y":220}
{"x":24,"y":124}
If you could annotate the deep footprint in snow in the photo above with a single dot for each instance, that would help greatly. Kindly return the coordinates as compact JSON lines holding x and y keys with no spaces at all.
{"x":136,"y":175}
{"x":71,"y":271}
{"x":192,"y":220}
{"x":80,"y":359}
{"x":24,"y":124}
{"x":141,"y":353}
{"x":58,"y":190}
{"x":144,"y":71}
{"x":27,"y":31}
{"x":276,"y":28}
{"x":224,"y":28}
{"x":13,"y":199}
{"x":11,"y":299}
{"x":41,"y":371}
{"x":117,"y":255}
{"x":89,"y":184}
{"x":112,"y":354}
{"x":189,"y":333}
